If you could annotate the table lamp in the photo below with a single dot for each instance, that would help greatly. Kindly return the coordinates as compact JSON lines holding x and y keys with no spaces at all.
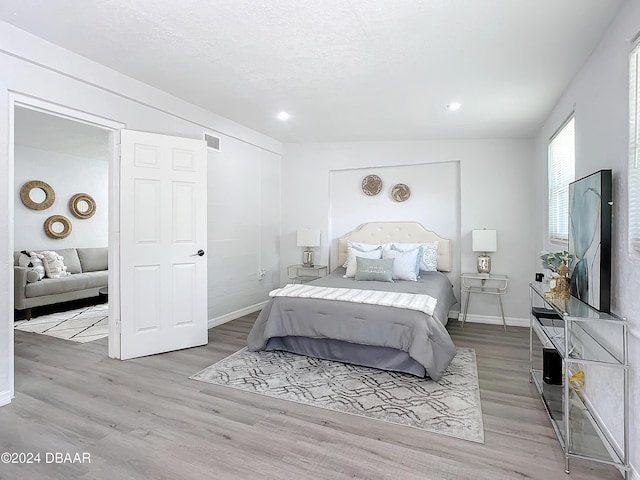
{"x":484,"y":241}
{"x":308,"y":237}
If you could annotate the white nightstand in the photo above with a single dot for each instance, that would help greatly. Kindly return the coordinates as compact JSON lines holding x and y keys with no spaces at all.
{"x":491,"y":284}
{"x":301,"y":274}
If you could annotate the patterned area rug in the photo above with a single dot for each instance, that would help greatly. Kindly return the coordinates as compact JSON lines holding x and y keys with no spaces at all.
{"x":450,"y":406}
{"x":80,"y":325}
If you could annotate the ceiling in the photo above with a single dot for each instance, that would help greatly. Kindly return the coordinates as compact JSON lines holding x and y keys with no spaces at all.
{"x":345,"y":70}
{"x":55,"y":134}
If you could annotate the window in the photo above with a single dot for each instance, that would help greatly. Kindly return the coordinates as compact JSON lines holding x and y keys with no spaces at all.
{"x":561,"y":168}
{"x":634,"y":151}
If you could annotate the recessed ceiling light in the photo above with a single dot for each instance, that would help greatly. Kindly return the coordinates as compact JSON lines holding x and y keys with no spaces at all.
{"x":283,"y":116}
{"x":454,"y":106}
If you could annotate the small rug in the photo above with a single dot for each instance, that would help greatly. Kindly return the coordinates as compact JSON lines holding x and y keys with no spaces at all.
{"x":450,"y":406}
{"x":80,"y":325}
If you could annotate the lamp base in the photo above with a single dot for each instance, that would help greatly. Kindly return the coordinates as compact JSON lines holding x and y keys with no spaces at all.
{"x":307,"y":258}
{"x":484,"y":264}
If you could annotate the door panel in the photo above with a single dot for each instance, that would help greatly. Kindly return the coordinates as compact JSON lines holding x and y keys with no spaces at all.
{"x":163,"y":225}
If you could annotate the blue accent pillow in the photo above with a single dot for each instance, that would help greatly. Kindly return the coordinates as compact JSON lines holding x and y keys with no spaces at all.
{"x":370,"y":269}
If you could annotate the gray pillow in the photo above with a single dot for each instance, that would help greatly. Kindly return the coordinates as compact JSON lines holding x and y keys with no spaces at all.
{"x":71,"y":259}
{"x":93,"y":259}
{"x":380,"y":270}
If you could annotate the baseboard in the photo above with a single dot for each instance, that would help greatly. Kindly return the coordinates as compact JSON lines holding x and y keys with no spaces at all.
{"x":214,"y":322}
{"x":5,"y":398}
{"x":511,"y":321}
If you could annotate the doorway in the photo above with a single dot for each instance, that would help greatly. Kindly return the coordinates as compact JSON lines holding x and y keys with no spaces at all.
{"x":61,"y":171}
{"x":44,"y":136}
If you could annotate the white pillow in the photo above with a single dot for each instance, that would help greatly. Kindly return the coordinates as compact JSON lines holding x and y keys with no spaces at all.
{"x":362,"y":247}
{"x":32,"y":261}
{"x":429,"y":261}
{"x":352,"y":265}
{"x":406,"y":265}
{"x":53,"y":264}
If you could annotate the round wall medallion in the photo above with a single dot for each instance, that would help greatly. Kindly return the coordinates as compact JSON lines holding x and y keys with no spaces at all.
{"x":372,"y":185}
{"x":57,"y":227}
{"x":400,"y":192}
{"x":82,"y":205}
{"x":37,"y":195}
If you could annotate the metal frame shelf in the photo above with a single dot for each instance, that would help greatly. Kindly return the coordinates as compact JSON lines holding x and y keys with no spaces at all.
{"x":579,"y":430}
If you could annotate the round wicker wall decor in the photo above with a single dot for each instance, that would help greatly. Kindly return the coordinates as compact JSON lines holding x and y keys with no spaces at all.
{"x":53,"y":231}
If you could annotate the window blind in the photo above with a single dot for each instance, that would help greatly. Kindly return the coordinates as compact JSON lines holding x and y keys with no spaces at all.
{"x":634,"y":151}
{"x":561,"y":171}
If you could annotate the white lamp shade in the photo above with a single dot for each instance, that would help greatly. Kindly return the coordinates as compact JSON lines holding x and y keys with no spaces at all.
{"x":308,"y":237}
{"x":484,"y":240}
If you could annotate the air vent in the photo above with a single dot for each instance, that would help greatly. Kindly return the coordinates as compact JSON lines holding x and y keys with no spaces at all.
{"x":213,"y":142}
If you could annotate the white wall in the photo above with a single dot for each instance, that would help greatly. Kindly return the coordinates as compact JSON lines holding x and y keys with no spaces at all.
{"x":434,"y":201}
{"x":244,"y":227}
{"x":600,"y":96}
{"x":495,"y":192}
{"x":33,"y":67}
{"x":67,"y":175}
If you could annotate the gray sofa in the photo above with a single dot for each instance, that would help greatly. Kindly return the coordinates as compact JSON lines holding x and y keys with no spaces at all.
{"x":89,"y":273}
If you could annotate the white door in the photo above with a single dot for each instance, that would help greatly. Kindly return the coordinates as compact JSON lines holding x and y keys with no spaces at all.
{"x":163,"y":234}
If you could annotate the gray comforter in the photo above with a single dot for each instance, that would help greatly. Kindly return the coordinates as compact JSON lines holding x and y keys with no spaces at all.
{"x":423,"y":337}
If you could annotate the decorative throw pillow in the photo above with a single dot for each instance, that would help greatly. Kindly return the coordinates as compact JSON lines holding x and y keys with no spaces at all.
{"x":354,"y":254}
{"x":33,"y":262}
{"x":369,"y":269}
{"x":53,"y":264}
{"x":361,"y":247}
{"x":429,"y":261}
{"x":406,"y":265}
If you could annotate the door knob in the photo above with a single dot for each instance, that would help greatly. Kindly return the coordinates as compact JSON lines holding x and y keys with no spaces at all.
{"x":199,"y":253}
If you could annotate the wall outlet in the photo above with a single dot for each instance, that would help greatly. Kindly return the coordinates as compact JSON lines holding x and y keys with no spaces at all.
{"x":262,"y":273}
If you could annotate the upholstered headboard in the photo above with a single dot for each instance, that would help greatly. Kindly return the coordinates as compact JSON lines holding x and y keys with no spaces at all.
{"x":400,"y":232}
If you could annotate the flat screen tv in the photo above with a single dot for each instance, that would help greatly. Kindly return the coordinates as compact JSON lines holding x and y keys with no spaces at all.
{"x":590,"y":200}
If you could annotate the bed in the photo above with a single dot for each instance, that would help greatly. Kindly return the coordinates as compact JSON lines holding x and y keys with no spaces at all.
{"x":384,"y":337}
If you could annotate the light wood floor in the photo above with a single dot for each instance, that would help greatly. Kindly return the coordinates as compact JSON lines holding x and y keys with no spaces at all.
{"x":144,"y":418}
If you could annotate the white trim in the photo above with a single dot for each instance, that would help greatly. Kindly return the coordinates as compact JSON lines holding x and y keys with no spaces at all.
{"x":214,"y":322}
{"x":10,"y":245}
{"x":493,"y":320}
{"x":5,"y":398}
{"x":115,"y":317}
{"x":634,"y":473}
{"x":39,"y":105}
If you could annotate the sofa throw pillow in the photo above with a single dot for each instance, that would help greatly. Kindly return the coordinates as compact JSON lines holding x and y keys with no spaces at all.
{"x":53,"y":264}
{"x":32,"y":261}
{"x":380,"y":270}
{"x":71,"y":259}
{"x":406,"y":265}
{"x":362,"y":247}
{"x":429,"y":261}
{"x":352,"y":266}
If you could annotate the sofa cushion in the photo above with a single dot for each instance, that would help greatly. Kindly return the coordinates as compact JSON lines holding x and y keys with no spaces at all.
{"x":70,"y":283}
{"x":93,"y":259}
{"x":71,"y":259}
